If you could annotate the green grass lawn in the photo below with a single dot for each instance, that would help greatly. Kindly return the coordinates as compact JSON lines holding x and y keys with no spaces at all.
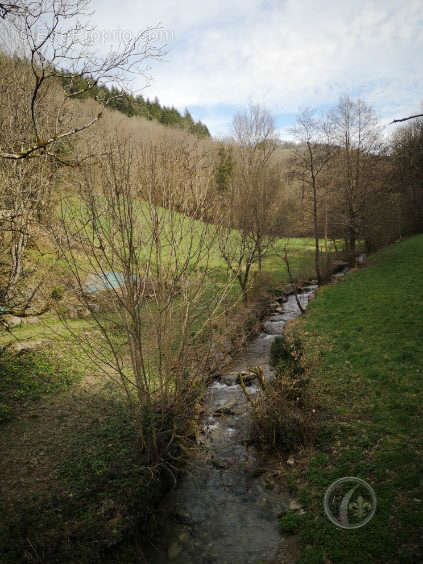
{"x":369,"y":331}
{"x":187,"y":232}
{"x":27,"y":378}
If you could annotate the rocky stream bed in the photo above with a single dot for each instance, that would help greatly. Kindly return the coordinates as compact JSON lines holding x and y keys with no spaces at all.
{"x":226,"y":508}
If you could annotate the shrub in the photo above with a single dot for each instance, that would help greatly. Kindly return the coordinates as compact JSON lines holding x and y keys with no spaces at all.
{"x":279,"y":352}
{"x":291,"y":522}
{"x":284,"y":414}
{"x":287,"y":351}
{"x":283,"y":417}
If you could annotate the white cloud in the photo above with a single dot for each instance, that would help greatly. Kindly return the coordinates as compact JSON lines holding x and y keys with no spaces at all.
{"x":285,"y":54}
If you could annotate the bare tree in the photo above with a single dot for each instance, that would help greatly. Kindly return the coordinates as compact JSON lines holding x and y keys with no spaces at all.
{"x":47,"y":63}
{"x":406,"y":157}
{"x":142,"y":270}
{"x":24,"y":188}
{"x":8,"y":8}
{"x":310,"y":160}
{"x":252,"y":207}
{"x":59,"y":48}
{"x":356,"y":134}
{"x":415,"y":116}
{"x":290,"y":276}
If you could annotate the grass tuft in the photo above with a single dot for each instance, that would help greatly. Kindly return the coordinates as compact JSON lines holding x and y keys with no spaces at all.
{"x":26,"y":377}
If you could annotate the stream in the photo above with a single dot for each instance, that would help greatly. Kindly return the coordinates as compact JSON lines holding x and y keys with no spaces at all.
{"x":226,"y":508}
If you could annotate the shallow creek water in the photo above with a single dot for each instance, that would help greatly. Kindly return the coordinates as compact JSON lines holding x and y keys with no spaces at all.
{"x":226,"y":508}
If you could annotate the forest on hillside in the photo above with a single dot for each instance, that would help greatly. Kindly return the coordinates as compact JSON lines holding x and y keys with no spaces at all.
{"x":131,"y":105}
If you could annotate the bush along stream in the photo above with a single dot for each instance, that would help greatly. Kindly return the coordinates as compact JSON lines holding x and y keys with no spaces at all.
{"x":227,"y":507}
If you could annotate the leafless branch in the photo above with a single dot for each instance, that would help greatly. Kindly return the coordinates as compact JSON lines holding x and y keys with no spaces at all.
{"x":407,"y":118}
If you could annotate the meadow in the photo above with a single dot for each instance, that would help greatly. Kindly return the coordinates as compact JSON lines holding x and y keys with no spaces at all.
{"x":368,"y":333}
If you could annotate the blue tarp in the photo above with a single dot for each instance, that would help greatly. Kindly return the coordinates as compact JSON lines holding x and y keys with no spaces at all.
{"x":107,"y":281}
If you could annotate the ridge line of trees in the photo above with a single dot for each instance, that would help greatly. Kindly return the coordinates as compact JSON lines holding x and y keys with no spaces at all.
{"x":139,"y":106}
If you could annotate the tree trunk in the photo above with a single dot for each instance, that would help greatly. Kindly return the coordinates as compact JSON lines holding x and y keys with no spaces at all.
{"x":316,"y":233}
{"x":351,"y":245}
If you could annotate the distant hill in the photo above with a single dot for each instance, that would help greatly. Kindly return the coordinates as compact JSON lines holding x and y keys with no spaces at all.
{"x":131,"y":105}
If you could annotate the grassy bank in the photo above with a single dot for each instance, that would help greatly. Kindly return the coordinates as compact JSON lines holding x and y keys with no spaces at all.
{"x":75,"y":484}
{"x":368,"y":332}
{"x":27,"y":378}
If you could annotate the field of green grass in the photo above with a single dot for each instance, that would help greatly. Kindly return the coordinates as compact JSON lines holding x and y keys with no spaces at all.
{"x":274,"y":276}
{"x":369,"y":332}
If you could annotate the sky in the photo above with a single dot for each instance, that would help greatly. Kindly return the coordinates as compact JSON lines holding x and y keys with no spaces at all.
{"x":283,"y":54}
